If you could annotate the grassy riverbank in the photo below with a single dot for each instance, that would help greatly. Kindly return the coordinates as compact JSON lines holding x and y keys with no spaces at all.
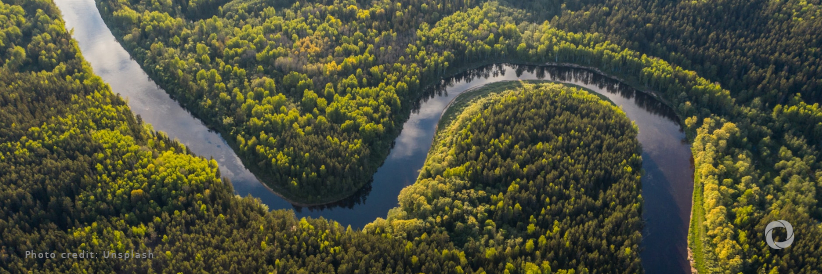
{"x":696,"y":233}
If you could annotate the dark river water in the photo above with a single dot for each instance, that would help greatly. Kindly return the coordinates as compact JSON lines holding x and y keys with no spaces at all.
{"x":667,"y":184}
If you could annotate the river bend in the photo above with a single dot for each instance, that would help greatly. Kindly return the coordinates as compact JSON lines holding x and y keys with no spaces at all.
{"x":667,"y":184}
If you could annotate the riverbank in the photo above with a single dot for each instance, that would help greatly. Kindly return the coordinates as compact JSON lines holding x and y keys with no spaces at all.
{"x":467,"y":97}
{"x":412,"y":143}
{"x":696,"y":231}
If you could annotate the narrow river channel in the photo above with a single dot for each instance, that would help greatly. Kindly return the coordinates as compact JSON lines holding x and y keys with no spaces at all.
{"x":667,"y":183}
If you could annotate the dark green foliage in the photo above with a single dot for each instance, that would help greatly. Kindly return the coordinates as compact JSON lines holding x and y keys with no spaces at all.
{"x":541,"y":176}
{"x":755,"y":48}
{"x":79,"y":173}
{"x":756,"y":146}
{"x":303,"y":85}
{"x":317,"y":87}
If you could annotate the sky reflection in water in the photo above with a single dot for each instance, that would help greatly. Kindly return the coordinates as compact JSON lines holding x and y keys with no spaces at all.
{"x":667,"y":182}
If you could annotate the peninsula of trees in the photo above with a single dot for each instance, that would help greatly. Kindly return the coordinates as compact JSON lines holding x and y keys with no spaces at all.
{"x":311,"y":93}
{"x":342,"y":74}
{"x":539,"y":176}
{"x":80,"y":173}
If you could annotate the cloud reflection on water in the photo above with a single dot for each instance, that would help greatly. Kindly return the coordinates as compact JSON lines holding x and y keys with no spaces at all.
{"x":668,"y":186}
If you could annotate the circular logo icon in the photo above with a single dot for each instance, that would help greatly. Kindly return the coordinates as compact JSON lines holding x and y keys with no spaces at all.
{"x":769,"y":234}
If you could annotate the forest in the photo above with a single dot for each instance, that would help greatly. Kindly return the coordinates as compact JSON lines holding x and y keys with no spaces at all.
{"x":762,"y":49}
{"x":81,"y":173}
{"x":312,"y":93}
{"x":743,"y":76}
{"x":541,"y":174}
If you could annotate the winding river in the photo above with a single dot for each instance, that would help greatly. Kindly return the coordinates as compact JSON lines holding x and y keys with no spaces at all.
{"x":667,"y":184}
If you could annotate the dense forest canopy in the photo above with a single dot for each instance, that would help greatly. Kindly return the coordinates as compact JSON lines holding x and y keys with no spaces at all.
{"x":80,"y":173}
{"x":756,"y":141}
{"x":758,"y":49}
{"x":312,"y":93}
{"x":310,"y":97}
{"x":543,"y":174}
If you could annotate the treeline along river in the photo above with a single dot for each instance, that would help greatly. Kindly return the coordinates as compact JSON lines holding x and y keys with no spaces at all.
{"x":667,"y":184}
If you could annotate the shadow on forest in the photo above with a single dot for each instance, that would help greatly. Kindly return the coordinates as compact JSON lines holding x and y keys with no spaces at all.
{"x":643,"y":100}
{"x":554,"y":73}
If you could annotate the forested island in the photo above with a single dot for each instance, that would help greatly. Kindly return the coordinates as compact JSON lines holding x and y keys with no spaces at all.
{"x":311,"y":94}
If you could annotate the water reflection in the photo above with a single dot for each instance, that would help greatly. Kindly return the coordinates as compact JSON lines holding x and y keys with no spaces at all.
{"x":113,"y":63}
{"x":557,"y":74}
{"x":667,"y":184}
{"x":350,"y":202}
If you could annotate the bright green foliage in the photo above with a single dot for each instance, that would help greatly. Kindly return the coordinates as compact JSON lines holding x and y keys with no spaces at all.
{"x":755,"y":48}
{"x":248,"y":68}
{"x":342,"y":77}
{"x":368,"y":63}
{"x":541,"y":174}
{"x":79,"y":173}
